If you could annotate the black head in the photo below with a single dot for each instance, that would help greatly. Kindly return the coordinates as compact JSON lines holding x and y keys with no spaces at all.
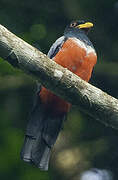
{"x":81,"y":25}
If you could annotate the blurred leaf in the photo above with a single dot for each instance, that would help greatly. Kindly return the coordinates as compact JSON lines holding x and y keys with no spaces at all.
{"x":37,"y":32}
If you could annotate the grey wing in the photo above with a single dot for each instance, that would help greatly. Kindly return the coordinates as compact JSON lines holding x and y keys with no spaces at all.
{"x":56,"y":47}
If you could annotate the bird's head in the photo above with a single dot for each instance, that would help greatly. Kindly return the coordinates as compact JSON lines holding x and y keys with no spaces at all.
{"x":81,"y":25}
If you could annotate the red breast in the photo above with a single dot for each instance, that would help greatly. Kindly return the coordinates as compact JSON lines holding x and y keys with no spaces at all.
{"x":78,"y":58}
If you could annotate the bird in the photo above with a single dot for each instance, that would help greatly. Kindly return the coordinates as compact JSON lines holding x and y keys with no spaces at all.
{"x":75,"y":52}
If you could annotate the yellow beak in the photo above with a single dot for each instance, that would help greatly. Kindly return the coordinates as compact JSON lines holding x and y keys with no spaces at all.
{"x":85,"y":25}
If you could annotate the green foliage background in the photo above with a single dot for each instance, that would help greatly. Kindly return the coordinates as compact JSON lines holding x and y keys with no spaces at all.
{"x":84,"y":143}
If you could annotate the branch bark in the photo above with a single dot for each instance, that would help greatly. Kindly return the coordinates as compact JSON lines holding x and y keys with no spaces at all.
{"x":59,"y":80}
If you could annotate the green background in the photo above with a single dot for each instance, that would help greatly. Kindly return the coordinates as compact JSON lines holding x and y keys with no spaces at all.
{"x":84,"y":143}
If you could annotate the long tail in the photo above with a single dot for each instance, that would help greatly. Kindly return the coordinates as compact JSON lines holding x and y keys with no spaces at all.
{"x":41,"y":134}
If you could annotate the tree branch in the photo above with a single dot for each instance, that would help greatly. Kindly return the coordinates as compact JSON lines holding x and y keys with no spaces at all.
{"x":61,"y":81}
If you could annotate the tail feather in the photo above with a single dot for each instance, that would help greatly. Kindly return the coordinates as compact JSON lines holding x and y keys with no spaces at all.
{"x":52,"y":127}
{"x":41,"y":154}
{"x":41,"y":134}
{"x":37,"y":153}
{"x":27,"y":149}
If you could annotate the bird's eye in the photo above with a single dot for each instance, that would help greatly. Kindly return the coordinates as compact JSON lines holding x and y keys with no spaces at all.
{"x":73,"y":24}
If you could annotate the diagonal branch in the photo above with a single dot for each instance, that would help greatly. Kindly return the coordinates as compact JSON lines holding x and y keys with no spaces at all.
{"x":61,"y":81}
